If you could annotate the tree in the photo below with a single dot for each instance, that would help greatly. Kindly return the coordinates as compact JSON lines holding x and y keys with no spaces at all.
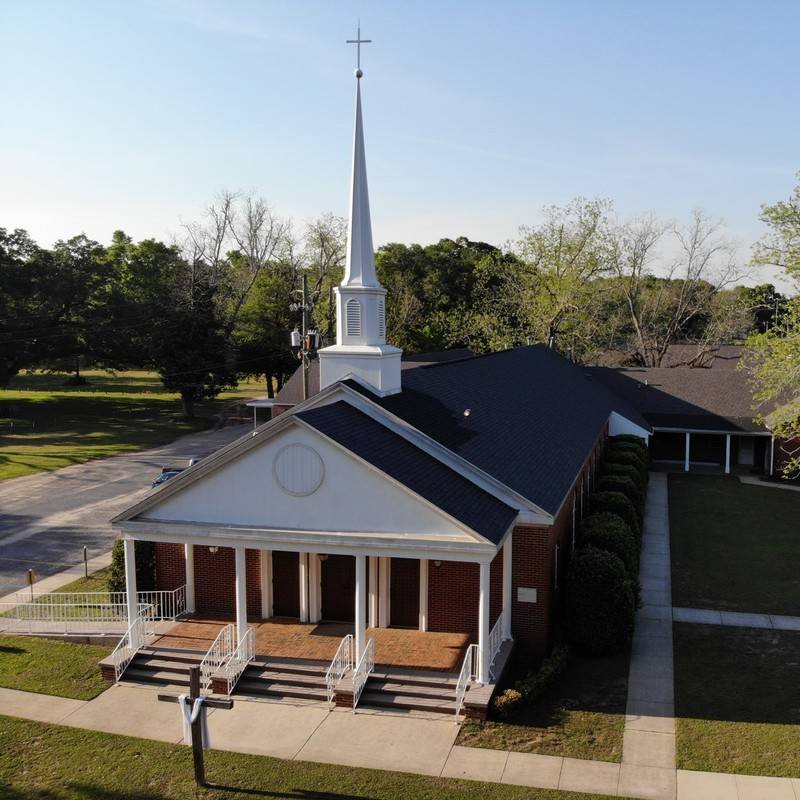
{"x":669,"y":277}
{"x":773,"y":356}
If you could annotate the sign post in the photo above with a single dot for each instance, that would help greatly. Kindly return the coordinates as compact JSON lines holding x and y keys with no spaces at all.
{"x":197,"y":722}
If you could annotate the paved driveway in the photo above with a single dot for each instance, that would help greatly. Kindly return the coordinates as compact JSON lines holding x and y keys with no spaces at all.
{"x":46,"y":519}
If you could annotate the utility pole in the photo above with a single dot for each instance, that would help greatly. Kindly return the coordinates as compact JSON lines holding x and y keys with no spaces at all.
{"x":304,"y":349}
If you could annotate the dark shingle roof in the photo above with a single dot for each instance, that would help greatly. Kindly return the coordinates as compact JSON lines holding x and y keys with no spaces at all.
{"x":412,"y":467}
{"x":725,"y":356}
{"x":291,"y":393}
{"x":680,"y":397}
{"x":533,"y":416}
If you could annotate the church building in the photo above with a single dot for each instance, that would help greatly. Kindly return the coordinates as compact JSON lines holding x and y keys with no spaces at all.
{"x":413,"y":515}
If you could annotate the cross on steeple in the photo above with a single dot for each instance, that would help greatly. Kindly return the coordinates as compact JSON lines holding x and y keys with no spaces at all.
{"x":358,"y":41}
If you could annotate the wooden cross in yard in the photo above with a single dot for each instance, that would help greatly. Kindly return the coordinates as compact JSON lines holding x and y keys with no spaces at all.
{"x":197,"y":722}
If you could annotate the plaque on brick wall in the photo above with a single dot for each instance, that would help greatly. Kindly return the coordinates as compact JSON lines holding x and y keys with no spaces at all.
{"x":526,"y":594}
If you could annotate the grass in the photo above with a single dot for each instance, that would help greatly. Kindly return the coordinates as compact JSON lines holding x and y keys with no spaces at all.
{"x":582,"y":716}
{"x":49,"y":762}
{"x":33,"y":664}
{"x":737,"y":700}
{"x":734,"y":546}
{"x":45,"y":425}
{"x":96,"y":582}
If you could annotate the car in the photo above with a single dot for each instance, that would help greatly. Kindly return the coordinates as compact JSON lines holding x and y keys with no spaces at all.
{"x":171,"y":472}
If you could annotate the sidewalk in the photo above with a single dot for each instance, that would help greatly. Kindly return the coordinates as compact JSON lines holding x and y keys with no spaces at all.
{"x":735,"y":619}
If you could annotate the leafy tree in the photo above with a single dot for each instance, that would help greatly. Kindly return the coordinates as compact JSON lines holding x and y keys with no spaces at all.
{"x":774,"y":355}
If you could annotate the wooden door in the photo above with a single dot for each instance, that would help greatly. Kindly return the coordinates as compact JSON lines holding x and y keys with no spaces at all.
{"x":338,"y":589}
{"x":285,"y":584}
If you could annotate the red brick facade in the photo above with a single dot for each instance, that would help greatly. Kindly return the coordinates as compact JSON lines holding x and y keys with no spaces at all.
{"x":453,"y":587}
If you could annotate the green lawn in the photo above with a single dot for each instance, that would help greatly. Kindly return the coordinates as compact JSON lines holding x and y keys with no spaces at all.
{"x":737,"y":700}
{"x":582,"y":716}
{"x":734,"y":546}
{"x":45,"y":425}
{"x":49,"y":762}
{"x":33,"y":664}
{"x":96,"y":582}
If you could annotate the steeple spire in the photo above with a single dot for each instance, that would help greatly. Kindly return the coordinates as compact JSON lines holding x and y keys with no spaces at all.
{"x":360,"y":348}
{"x":360,"y":264}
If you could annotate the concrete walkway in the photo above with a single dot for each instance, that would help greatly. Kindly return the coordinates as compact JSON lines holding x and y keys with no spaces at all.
{"x":648,"y":747}
{"x":737,"y":619}
{"x":409,"y":743}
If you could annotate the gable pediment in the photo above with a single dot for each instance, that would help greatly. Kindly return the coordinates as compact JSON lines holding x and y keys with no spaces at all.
{"x":296,"y":479}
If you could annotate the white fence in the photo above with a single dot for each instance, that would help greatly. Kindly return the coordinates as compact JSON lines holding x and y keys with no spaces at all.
{"x":496,"y":640}
{"x":342,"y":662}
{"x":138,"y":634}
{"x":220,"y":652}
{"x":467,"y":676}
{"x":97,"y":613}
{"x":361,"y":673}
{"x":244,"y":653}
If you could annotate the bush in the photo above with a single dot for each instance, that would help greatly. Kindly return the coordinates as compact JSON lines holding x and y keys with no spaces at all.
{"x":535,"y":683}
{"x":607,"y":531}
{"x":600,"y":603}
{"x":616,"y":503}
{"x":629,"y":439}
{"x":625,"y":470}
{"x":145,"y":567}
{"x":629,"y":458}
{"x":621,"y":483}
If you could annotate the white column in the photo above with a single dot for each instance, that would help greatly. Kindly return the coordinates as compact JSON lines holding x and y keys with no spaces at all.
{"x":241,"y":593}
{"x":508,"y":549}
{"x":686,"y":457}
{"x":361,"y":603}
{"x":423,"y":594}
{"x":188,"y":556}
{"x":483,"y":625}
{"x":303,"y":562}
{"x":314,"y":588}
{"x":772,"y":456}
{"x":384,"y":593}
{"x":373,"y":592}
{"x":727,"y":454}
{"x":266,"y":584}
{"x":132,"y":597}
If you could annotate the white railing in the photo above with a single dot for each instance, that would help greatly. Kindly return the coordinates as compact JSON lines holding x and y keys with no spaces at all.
{"x":366,"y":665}
{"x":85,"y":612}
{"x":342,"y":662}
{"x":217,"y":656}
{"x":496,"y":640}
{"x":138,"y":634}
{"x":244,"y":653}
{"x":467,"y":676}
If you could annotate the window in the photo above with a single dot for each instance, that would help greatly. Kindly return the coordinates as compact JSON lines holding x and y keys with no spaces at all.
{"x":353,"y":318}
{"x":381,"y":318}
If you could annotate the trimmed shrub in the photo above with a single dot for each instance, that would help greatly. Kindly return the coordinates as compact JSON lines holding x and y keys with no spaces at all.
{"x":505,"y":703}
{"x":627,"y":471}
{"x":627,"y":438}
{"x":609,"y":532}
{"x":616,"y":503}
{"x":145,"y":567}
{"x":600,"y":603}
{"x":621,"y":483}
{"x":535,"y":683}
{"x":627,"y":457}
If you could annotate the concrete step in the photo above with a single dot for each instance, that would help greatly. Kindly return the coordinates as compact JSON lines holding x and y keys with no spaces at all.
{"x":406,"y":703}
{"x":286,"y":666}
{"x":156,"y":663}
{"x":287,"y":678}
{"x":162,"y":676}
{"x":411,"y":690}
{"x":276,"y":689}
{"x":172,"y":654}
{"x":444,"y":681}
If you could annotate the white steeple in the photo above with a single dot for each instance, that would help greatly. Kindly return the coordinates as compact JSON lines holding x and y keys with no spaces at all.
{"x":360,"y":350}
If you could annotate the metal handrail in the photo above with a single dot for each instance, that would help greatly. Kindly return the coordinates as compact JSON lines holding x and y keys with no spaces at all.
{"x":138,"y":634}
{"x":466,"y":676}
{"x":342,"y":662}
{"x":217,"y":655}
{"x":366,"y":665}
{"x":496,"y":640}
{"x":244,"y":653}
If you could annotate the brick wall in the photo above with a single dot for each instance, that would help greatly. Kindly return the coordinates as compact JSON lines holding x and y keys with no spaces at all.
{"x":170,"y":566}
{"x":215,"y":580}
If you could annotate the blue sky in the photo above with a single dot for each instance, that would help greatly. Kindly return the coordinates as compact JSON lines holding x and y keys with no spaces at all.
{"x":134,"y":114}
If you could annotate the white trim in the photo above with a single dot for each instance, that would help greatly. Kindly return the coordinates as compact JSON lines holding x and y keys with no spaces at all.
{"x":129,"y":549}
{"x":338,"y":543}
{"x":620,"y":424}
{"x":384,"y":592}
{"x":241,"y":592}
{"x":373,"y":592}
{"x":727,"y":454}
{"x":508,"y":556}
{"x":188,"y":557}
{"x":302,"y":566}
{"x":708,"y":430}
{"x":360,"y":601}
{"x":266,"y":583}
{"x":687,"y":454}
{"x":772,"y":456}
{"x":483,"y":623}
{"x":423,"y":594}
{"x":314,"y":588}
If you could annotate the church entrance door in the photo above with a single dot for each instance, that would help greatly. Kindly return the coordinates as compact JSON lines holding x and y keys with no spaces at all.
{"x":285,"y":584}
{"x":338,"y":588}
{"x":405,"y":593}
